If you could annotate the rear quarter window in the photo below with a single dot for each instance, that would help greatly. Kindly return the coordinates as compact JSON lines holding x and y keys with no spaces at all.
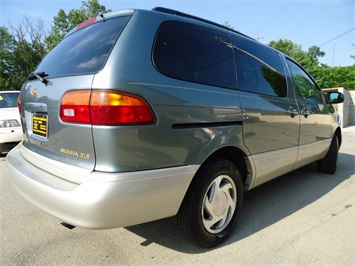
{"x":194,"y":53}
{"x":85,"y":51}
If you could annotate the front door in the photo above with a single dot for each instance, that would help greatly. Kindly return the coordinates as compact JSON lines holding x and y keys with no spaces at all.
{"x":315,"y":119}
{"x":270,"y":112}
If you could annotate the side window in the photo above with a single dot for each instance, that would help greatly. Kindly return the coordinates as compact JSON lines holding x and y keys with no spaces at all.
{"x":305,"y":86}
{"x":194,"y":53}
{"x":259,"y":69}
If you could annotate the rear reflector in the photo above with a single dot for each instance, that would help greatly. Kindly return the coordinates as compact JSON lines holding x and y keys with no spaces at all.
{"x":100,"y":107}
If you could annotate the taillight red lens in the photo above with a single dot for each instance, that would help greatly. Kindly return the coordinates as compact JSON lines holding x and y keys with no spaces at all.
{"x":110,"y":108}
{"x":105,"y":108}
{"x":19,"y":105}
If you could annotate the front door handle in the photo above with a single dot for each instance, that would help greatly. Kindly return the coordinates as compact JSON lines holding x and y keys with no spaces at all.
{"x":305,"y":112}
{"x":292,"y":111}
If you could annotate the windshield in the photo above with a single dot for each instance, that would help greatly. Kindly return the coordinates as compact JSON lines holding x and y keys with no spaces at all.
{"x":8,"y":100}
{"x":85,"y":51}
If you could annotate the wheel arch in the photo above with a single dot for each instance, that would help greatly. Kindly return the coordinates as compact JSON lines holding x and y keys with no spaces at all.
{"x":339,"y":135}
{"x":236,"y":156}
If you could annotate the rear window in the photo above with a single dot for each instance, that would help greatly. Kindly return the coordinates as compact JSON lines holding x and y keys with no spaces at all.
{"x":85,"y":51}
{"x":8,"y":100}
{"x":194,"y":53}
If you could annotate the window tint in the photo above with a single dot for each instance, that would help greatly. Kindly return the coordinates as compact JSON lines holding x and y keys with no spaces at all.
{"x":259,"y":69}
{"x":305,"y":86}
{"x":84,"y":51}
{"x":193,"y":53}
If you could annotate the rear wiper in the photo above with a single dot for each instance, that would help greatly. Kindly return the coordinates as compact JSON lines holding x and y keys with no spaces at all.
{"x":39,"y":75}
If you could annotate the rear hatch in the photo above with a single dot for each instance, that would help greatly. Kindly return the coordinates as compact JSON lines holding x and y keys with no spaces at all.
{"x":56,"y":97}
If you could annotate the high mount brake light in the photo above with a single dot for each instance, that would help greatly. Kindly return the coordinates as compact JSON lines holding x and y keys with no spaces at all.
{"x":99,"y":107}
{"x":86,"y":23}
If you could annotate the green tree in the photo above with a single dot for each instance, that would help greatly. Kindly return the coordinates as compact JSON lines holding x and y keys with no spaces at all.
{"x":315,"y":52}
{"x":21,"y":49}
{"x":63,"y":22}
{"x":287,"y":47}
{"x":325,"y":76}
{"x":333,"y":77}
{"x":7,"y":45}
{"x":59,"y":29}
{"x":309,"y":60}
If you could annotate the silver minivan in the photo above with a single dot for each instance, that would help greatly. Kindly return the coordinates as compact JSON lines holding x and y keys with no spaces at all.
{"x":140,"y":115}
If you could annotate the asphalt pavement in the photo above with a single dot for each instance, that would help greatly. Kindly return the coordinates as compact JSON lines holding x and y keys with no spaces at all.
{"x":301,"y":218}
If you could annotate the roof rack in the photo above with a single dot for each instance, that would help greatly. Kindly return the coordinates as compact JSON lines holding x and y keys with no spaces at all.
{"x":181,"y":14}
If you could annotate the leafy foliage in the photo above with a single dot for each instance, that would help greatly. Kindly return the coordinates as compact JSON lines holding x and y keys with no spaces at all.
{"x":308,"y":61}
{"x":329,"y":77}
{"x":24,"y":46}
{"x":326,"y":77}
{"x":19,"y":55}
{"x":7,"y":45}
{"x":63,"y":22}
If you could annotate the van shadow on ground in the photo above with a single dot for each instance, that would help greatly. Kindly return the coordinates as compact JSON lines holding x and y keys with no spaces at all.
{"x":263,"y":206}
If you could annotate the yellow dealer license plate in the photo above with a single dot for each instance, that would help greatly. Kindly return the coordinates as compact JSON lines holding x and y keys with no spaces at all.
{"x":40,"y":125}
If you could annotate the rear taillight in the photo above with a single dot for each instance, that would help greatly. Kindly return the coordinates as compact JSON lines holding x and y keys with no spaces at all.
{"x":105,"y":108}
{"x":19,"y":104}
{"x":75,"y":107}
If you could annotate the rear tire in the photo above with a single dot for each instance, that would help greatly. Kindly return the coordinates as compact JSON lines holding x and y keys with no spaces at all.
{"x":328,"y":164}
{"x":212,"y":205}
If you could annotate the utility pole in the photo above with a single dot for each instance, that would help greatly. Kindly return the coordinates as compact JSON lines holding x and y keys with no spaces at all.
{"x":333,"y":53}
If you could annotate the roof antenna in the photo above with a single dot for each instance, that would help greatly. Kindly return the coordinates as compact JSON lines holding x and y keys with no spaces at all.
{"x":258,"y":37}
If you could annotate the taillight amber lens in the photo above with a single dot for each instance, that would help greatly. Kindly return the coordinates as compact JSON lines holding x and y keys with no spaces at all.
{"x":99,"y":107}
{"x":75,"y":107}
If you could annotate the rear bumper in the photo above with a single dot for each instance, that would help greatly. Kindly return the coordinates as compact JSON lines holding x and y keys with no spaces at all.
{"x":102,"y":200}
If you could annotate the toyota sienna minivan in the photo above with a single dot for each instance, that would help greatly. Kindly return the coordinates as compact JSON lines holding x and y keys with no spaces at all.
{"x":139,"y":115}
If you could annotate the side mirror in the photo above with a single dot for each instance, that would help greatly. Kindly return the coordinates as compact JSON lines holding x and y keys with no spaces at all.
{"x":334,"y":97}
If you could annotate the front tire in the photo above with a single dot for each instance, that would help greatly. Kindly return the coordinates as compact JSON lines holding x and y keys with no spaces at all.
{"x":328,"y":164}
{"x":212,"y":205}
